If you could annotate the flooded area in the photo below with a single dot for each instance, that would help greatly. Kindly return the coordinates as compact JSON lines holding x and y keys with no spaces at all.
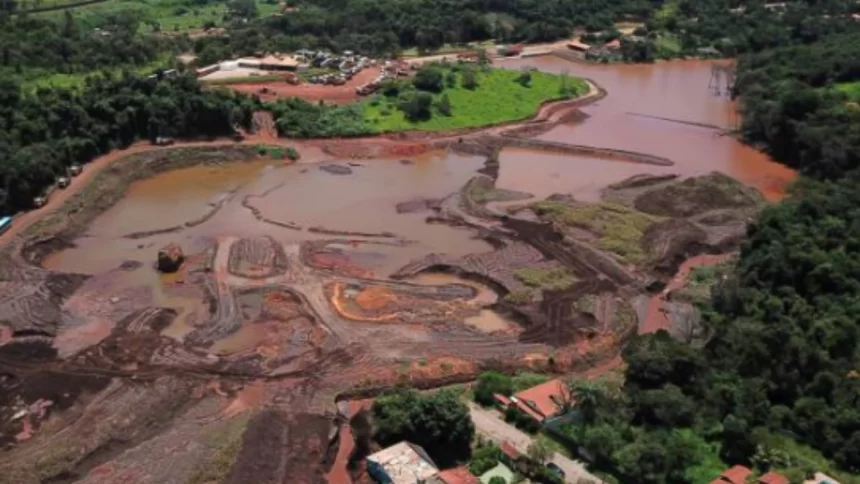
{"x":665,"y":109}
{"x":363,"y":201}
{"x":628,"y":119}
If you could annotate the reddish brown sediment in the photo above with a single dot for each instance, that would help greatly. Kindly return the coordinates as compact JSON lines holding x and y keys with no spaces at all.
{"x":235,"y":361}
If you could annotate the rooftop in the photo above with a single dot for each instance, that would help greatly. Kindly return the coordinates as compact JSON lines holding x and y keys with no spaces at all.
{"x":735,"y":475}
{"x":509,"y":450}
{"x":773,"y":478}
{"x":458,"y":475}
{"x":405,"y":463}
{"x":545,"y":399}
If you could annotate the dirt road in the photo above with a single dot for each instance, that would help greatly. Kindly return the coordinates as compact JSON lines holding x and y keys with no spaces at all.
{"x":491,"y":424}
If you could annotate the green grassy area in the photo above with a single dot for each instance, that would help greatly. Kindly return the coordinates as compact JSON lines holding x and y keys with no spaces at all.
{"x":619,"y":229}
{"x":36,"y":79}
{"x":545,"y":278}
{"x":497,"y":99}
{"x":169,"y":15}
{"x":852,"y":89}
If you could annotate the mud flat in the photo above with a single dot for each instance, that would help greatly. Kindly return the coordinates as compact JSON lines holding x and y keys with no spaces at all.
{"x":228,"y":370}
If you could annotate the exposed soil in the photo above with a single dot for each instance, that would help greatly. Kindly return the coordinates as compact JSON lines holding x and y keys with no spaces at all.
{"x":271,"y":91}
{"x":228,"y":370}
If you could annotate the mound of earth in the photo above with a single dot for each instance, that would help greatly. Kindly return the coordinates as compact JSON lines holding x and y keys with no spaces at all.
{"x":257,"y":258}
{"x":698,"y":195}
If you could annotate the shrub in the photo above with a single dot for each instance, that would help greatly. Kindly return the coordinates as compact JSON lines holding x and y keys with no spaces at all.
{"x":498,"y":480}
{"x":444,"y":105}
{"x":489,"y":383}
{"x":429,"y":78}
{"x":416,"y":106}
{"x":292,"y":153}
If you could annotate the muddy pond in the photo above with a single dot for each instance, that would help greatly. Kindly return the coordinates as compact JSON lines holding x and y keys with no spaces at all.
{"x":649,"y":109}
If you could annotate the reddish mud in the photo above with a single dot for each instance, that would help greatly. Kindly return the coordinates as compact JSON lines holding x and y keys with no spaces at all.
{"x":656,"y":318}
{"x":310,"y":92}
{"x":675,"y":90}
{"x":284,"y":301}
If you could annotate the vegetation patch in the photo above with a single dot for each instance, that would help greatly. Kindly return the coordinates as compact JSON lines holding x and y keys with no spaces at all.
{"x":227,"y":445}
{"x":697,"y":195}
{"x":701,"y":280}
{"x":618,"y":229}
{"x":852,"y":89}
{"x":475,"y":97}
{"x":550,"y":278}
{"x":519,"y":297}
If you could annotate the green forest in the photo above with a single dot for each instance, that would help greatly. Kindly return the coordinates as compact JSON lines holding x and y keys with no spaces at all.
{"x":43,"y":133}
{"x":784,"y":362}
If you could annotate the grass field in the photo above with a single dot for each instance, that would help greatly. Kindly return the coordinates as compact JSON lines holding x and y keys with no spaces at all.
{"x":497,"y":99}
{"x":169,"y":15}
{"x":35,"y":79}
{"x":852,"y":89}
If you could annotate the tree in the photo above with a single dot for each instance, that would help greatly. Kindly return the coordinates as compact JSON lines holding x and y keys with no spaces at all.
{"x":470,"y":80}
{"x":451,"y":79}
{"x":416,"y":105}
{"x":444,"y":105}
{"x":498,"y":480}
{"x":439,"y":423}
{"x":490,"y":383}
{"x":539,"y":452}
{"x":525,"y":78}
{"x":587,"y":397}
{"x":429,"y":78}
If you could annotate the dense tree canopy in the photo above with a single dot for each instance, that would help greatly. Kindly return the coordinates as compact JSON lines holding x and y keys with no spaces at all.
{"x":41,"y":134}
{"x":438,"y":422}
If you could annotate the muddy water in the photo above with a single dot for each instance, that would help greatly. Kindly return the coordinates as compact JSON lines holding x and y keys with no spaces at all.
{"x":543,"y":174}
{"x":625,"y":119}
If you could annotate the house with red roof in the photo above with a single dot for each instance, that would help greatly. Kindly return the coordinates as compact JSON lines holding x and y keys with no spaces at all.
{"x":540,"y":402}
{"x":734,"y":475}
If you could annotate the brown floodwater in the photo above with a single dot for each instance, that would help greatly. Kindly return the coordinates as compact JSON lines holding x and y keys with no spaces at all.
{"x":627,"y":119}
{"x":364,"y":201}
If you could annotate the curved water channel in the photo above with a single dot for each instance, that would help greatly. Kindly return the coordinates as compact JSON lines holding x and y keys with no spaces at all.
{"x":649,"y":109}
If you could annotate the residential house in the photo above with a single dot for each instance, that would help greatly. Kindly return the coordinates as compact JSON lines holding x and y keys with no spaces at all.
{"x":773,"y":478}
{"x":458,"y":475}
{"x":543,"y":401}
{"x":733,"y":475}
{"x":402,"y":463}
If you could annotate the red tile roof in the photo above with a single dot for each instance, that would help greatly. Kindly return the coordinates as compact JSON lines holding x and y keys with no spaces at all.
{"x":509,"y":450}
{"x":502,"y":399}
{"x":736,"y":474}
{"x":773,"y":478}
{"x":458,"y":475}
{"x":544,"y":399}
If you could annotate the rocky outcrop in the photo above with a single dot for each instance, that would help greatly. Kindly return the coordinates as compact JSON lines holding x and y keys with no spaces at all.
{"x":170,"y":258}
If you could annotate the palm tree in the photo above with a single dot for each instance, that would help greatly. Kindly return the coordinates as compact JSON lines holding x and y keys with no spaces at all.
{"x":587,"y":397}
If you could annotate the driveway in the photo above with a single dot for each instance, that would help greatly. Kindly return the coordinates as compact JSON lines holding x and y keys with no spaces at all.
{"x":491,"y":424}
